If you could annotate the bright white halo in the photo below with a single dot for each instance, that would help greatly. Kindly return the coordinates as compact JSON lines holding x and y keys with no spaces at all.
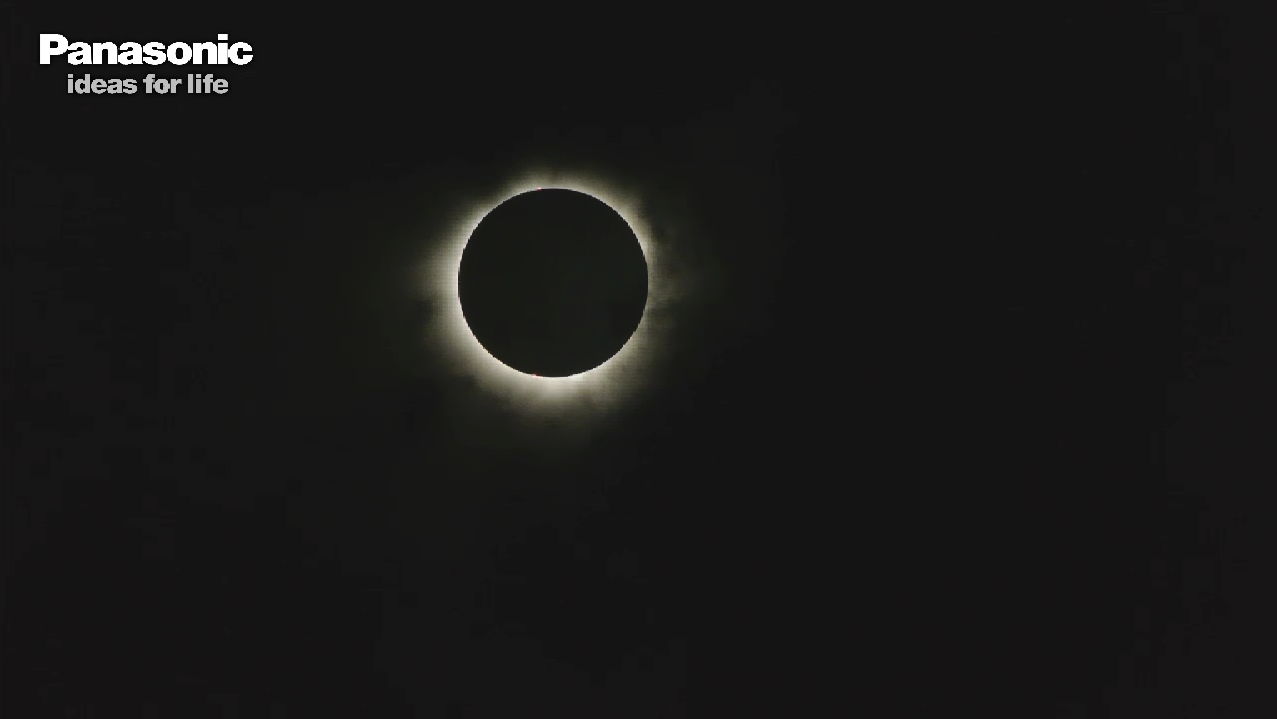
{"x":601,"y":387}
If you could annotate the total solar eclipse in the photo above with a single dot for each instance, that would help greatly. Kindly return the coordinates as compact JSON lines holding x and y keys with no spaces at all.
{"x":553,"y":282}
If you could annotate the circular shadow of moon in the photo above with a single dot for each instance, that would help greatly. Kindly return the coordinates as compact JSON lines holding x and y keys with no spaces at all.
{"x":553,"y":282}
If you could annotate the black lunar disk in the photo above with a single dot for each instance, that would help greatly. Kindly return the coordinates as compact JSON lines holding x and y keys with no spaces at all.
{"x":553,"y":282}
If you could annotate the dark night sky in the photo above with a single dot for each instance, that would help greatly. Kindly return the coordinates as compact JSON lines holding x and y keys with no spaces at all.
{"x":961,"y":407}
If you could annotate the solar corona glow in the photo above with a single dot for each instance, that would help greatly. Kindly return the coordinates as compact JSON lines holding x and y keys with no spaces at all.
{"x":602,"y":386}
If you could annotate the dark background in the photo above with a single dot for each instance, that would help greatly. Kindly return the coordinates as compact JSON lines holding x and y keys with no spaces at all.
{"x":966,"y":405}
